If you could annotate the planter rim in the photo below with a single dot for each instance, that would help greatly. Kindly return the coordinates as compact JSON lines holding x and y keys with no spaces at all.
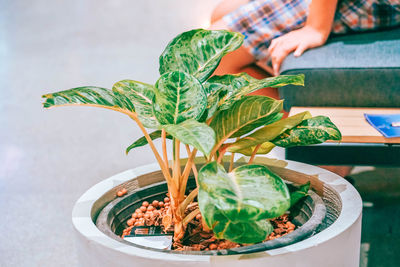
{"x":82,"y":220}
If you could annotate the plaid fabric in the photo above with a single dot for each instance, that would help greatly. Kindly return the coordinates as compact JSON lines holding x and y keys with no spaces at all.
{"x":263,"y":20}
{"x":359,"y":15}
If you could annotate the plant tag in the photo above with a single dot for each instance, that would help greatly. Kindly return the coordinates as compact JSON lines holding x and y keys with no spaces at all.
{"x":150,"y":236}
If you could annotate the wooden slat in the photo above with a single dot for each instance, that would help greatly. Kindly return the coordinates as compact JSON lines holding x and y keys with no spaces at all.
{"x":352,"y":124}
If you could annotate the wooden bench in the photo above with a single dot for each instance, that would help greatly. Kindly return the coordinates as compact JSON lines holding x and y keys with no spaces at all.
{"x":361,"y":143}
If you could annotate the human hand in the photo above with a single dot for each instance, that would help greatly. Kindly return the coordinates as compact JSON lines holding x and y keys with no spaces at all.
{"x":298,"y":41}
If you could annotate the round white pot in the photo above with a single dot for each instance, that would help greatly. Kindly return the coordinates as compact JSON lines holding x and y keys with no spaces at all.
{"x":337,"y":245}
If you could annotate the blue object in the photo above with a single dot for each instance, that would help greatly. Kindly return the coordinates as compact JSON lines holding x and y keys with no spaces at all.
{"x":385,"y":123}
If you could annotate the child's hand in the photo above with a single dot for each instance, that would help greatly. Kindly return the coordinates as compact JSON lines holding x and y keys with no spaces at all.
{"x":298,"y":41}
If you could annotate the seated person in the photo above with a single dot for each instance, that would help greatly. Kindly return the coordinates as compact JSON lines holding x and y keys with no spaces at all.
{"x":275,"y":28}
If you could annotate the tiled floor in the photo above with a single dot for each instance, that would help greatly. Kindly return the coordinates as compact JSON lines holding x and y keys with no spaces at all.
{"x":48,"y":158}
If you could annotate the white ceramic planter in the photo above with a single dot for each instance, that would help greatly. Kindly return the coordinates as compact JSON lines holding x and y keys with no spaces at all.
{"x":337,"y":245}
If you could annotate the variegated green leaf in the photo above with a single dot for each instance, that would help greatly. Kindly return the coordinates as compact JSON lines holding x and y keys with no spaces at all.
{"x":142,"y":141}
{"x":212,"y":91}
{"x":248,"y":193}
{"x":267,"y":133}
{"x":297,"y":193}
{"x":245,"y":115}
{"x":90,"y":96}
{"x":141,"y":95}
{"x":311,"y":131}
{"x":265,"y":148}
{"x":243,"y":232}
{"x":212,"y":106}
{"x":232,"y":87}
{"x":198,"y":52}
{"x":194,"y":133}
{"x":178,"y":97}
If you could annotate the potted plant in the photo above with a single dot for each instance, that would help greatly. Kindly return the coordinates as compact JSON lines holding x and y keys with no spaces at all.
{"x":212,"y":115}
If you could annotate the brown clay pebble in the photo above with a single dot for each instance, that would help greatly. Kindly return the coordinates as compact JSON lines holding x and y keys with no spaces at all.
{"x":166,"y":200}
{"x":155,"y":203}
{"x":213,"y":246}
{"x":130,"y":222}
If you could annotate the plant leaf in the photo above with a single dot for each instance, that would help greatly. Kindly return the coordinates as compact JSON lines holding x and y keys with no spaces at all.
{"x":192,"y":132}
{"x":243,"y":232}
{"x":212,"y":106}
{"x":232,"y":87}
{"x":141,"y":95}
{"x":178,"y":97}
{"x":248,"y":193}
{"x":245,"y":115}
{"x":198,"y":52}
{"x":265,"y":148}
{"x":90,"y":96}
{"x":267,"y":133}
{"x":297,"y":193}
{"x":142,"y":141}
{"x":315,"y":130}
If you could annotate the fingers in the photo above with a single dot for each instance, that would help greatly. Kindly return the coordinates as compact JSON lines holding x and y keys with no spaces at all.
{"x":300,"y":49}
{"x":272,"y":45}
{"x":277,"y":58}
{"x":279,"y":52}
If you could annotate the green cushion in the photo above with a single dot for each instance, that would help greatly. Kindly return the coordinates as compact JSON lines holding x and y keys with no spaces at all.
{"x":357,"y":70}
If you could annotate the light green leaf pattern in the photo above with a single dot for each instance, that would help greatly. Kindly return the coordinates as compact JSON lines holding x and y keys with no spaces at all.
{"x":267,"y":133}
{"x":243,"y":232}
{"x":265,"y":148}
{"x":198,"y":52}
{"x":245,"y":115}
{"x":311,"y":131}
{"x":90,"y":96}
{"x":298,"y":193}
{"x":141,"y":95}
{"x":194,"y":133}
{"x":178,"y":97}
{"x":250,"y":193}
{"x":232,"y":87}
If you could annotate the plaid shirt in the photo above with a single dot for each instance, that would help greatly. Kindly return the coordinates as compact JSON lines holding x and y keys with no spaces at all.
{"x":263,"y":20}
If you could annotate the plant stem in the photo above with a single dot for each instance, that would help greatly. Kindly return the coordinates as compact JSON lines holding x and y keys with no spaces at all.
{"x":190,"y":217}
{"x":194,"y":169}
{"x":163,"y":167}
{"x":222,"y":152}
{"x":186,"y":172}
{"x":164,"y":146}
{"x":178,"y":156}
{"x":188,"y":200}
{"x":254,"y":153}
{"x":231,"y":162}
